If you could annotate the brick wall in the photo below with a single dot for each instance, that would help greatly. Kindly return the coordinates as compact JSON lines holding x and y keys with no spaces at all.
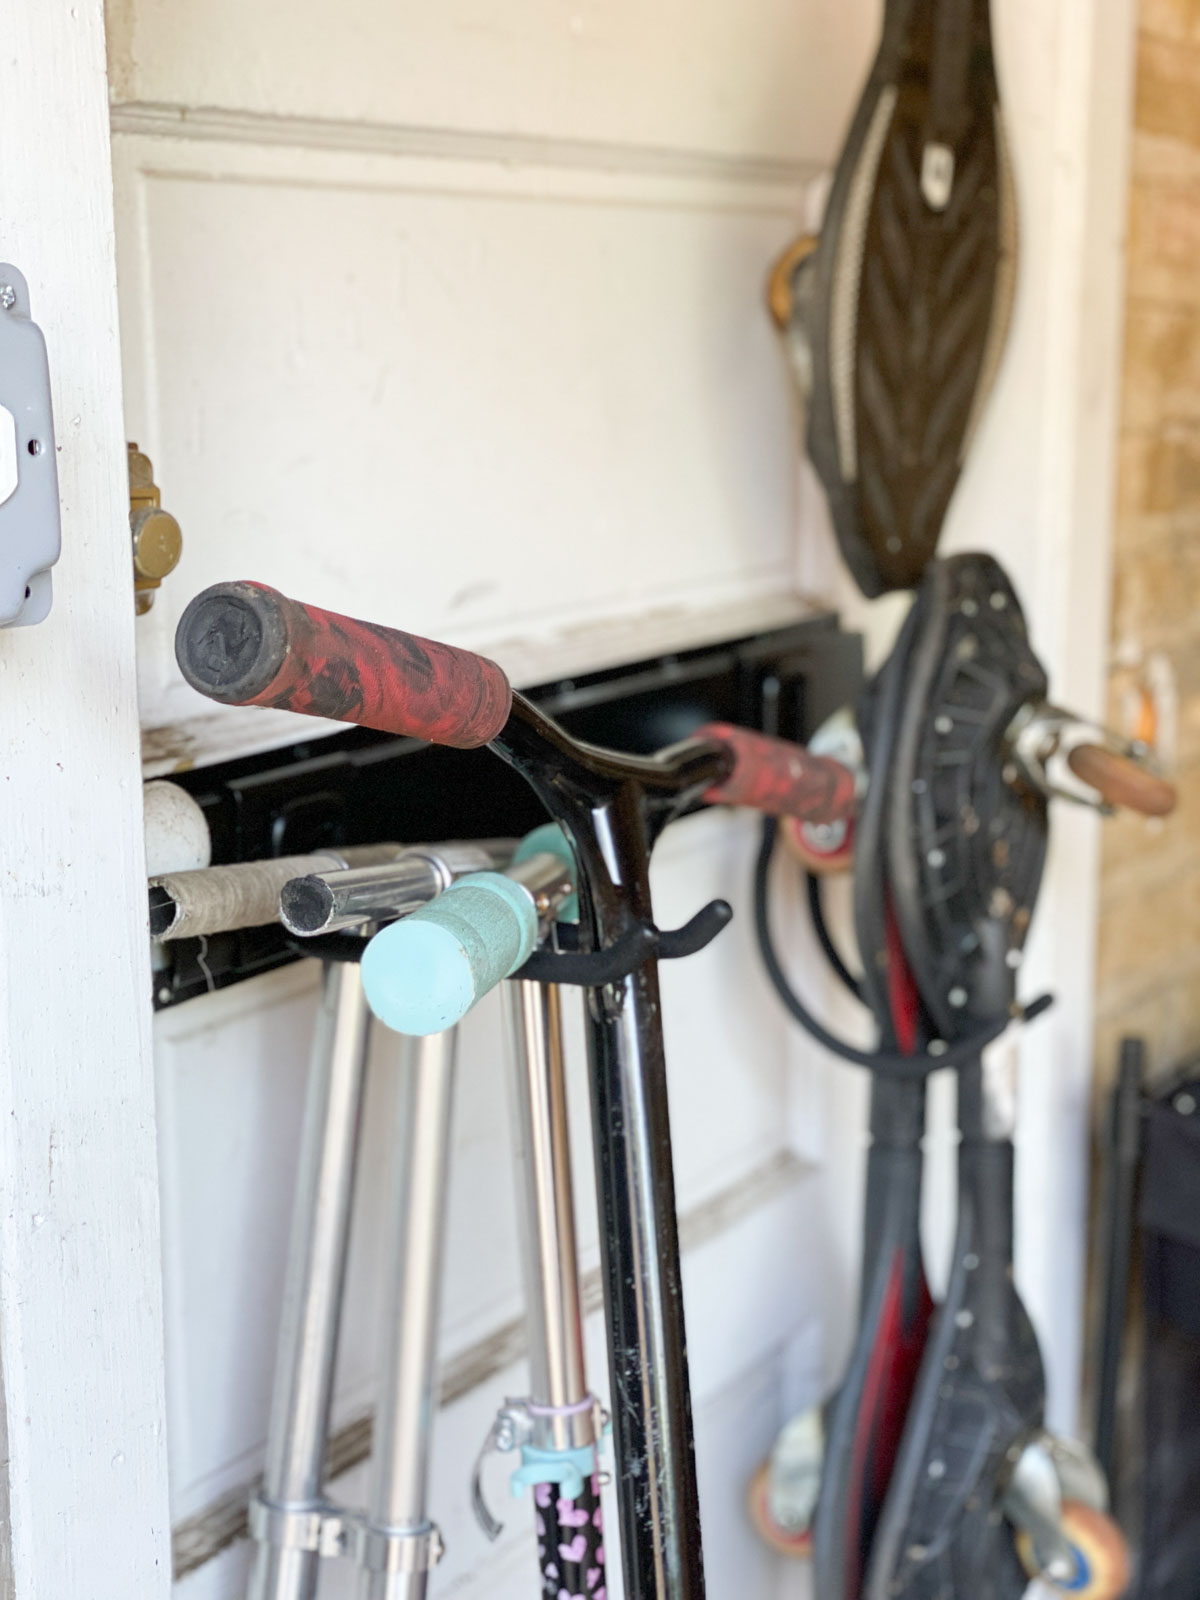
{"x":1149,"y":964}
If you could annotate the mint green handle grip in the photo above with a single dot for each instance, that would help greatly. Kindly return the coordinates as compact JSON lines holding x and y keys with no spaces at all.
{"x":551,"y":840}
{"x":423,"y":974}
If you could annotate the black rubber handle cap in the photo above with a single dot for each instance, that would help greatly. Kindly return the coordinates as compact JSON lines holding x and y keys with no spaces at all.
{"x":232,"y":641}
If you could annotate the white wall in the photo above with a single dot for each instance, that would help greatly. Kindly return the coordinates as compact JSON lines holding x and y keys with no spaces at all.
{"x":452,"y":315}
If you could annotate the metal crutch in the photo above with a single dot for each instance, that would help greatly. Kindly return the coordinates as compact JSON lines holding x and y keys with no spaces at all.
{"x":289,"y":1515}
{"x":291,"y":1520}
{"x":396,"y":1545}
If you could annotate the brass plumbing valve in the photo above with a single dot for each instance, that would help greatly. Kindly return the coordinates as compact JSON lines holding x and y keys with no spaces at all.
{"x":157,"y":540}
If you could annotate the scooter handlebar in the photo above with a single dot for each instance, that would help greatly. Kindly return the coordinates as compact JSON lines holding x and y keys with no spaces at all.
{"x":781,"y":779}
{"x":1122,"y":781}
{"x":247,"y":644}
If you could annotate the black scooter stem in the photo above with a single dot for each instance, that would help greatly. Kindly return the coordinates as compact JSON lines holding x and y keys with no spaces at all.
{"x":866,"y":1415}
{"x":982,"y":1386}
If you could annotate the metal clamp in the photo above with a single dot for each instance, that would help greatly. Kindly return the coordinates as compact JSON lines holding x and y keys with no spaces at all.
{"x":398,"y":1549}
{"x":330,"y":1532}
{"x":323,"y":1529}
{"x":520,"y":1425}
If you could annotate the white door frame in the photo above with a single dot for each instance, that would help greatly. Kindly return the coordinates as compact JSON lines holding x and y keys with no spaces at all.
{"x":81,"y":1337}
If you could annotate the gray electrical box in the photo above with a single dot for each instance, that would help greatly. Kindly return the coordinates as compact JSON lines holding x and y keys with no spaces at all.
{"x":30,"y":530}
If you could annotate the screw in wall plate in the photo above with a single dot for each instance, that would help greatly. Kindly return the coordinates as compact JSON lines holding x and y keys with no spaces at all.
{"x":8,"y":296}
{"x":957,"y":997}
{"x":1185,"y":1104}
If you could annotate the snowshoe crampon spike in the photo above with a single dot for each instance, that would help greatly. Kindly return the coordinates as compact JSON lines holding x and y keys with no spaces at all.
{"x":897,"y":319}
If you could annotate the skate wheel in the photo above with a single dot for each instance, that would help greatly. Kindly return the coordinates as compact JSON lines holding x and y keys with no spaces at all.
{"x":1101,"y":1555}
{"x":800,"y":844}
{"x":796,"y":1545}
{"x":779,"y":284}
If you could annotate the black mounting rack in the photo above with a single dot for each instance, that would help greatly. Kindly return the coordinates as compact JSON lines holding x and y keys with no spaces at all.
{"x":360,"y":787}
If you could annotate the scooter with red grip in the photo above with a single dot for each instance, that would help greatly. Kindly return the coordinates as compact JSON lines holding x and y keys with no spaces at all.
{"x":246,"y":644}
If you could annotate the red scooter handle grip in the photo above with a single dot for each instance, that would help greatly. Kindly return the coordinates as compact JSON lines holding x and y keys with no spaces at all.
{"x":245,"y":644}
{"x":781,"y":779}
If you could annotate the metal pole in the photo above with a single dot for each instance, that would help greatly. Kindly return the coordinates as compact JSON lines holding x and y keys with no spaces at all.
{"x":1120,"y":1189}
{"x":562,"y":1412}
{"x":655,"y":1468}
{"x":546,"y":1208}
{"x":397,"y":1545}
{"x":285,"y":1517}
{"x":651,"y":1400}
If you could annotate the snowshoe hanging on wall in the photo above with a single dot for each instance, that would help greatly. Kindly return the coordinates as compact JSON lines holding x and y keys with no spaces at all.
{"x":896,"y":318}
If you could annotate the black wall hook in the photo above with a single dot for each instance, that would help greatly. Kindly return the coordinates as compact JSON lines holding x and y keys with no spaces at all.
{"x":592,"y":969}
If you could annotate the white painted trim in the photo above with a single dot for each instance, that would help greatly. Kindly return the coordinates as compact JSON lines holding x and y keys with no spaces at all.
{"x":234,"y":126}
{"x":1085,"y":144}
{"x":80,"y":1285}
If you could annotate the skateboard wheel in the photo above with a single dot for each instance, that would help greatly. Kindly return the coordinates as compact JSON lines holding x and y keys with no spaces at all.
{"x":802,"y":842}
{"x":1102,"y":1569}
{"x":779,"y":284}
{"x":794,"y":1543}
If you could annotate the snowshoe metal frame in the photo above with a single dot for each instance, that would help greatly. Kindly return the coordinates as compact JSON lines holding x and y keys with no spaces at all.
{"x":900,"y":316}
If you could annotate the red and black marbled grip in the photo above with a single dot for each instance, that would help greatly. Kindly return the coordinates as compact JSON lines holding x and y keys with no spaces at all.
{"x":780,"y":779}
{"x":245,"y":644}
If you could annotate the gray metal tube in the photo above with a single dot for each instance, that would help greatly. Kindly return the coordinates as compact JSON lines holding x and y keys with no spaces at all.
{"x":303,"y":1393}
{"x":191,"y":905}
{"x":327,"y":900}
{"x":546,"y":1212}
{"x":398,"y":1544}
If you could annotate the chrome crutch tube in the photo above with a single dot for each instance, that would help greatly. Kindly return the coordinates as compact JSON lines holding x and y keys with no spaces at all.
{"x":397,"y":1546}
{"x":287,"y":1516}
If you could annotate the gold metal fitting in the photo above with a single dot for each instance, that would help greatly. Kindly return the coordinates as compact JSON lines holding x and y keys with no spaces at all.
{"x":157,"y":540}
